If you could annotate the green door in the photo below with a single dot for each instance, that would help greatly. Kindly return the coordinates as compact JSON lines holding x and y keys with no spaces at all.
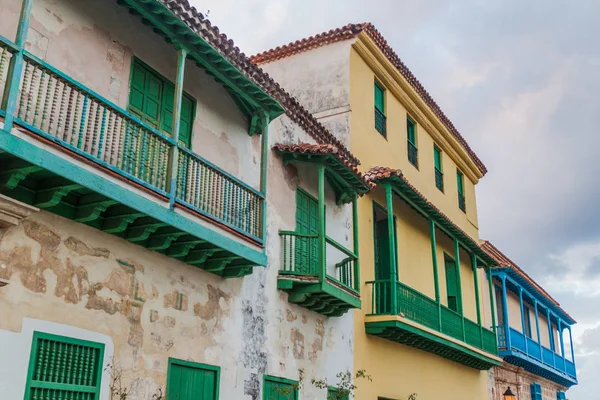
{"x":383,"y":266}
{"x":307,"y":221}
{"x":192,"y":381}
{"x":145,"y":97}
{"x":279,"y":389}
{"x":451,"y":283}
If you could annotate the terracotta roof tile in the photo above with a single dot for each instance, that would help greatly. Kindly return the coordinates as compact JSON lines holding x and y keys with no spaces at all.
{"x":351,"y":31}
{"x":505,"y":262}
{"x":202,"y":26}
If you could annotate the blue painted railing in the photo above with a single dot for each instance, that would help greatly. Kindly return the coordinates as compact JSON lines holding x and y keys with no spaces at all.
{"x":522,"y":344}
{"x":64,"y":111}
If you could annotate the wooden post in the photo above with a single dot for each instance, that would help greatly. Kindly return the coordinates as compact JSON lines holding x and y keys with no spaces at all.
{"x":459,"y":279}
{"x":394,"y":276}
{"x":476,"y":279}
{"x":523,"y":328}
{"x":537,"y":321}
{"x":264,"y":166}
{"x":355,"y":234}
{"x":436,"y":279}
{"x":174,"y":150}
{"x":15,"y":69}
{"x":322,"y":243}
{"x":505,"y":312}
{"x":492,"y":303}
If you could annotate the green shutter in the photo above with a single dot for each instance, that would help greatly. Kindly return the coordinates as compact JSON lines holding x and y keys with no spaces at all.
{"x":411,"y":131}
{"x":62,"y":368}
{"x":451,"y":283}
{"x":307,"y":221}
{"x":437,"y":157}
{"x":151,"y":98}
{"x":192,"y":381}
{"x":332,"y":394}
{"x":279,"y":389}
{"x":536,"y":391}
{"x":379,"y":98}
{"x":459,"y":182}
{"x":561,"y":396}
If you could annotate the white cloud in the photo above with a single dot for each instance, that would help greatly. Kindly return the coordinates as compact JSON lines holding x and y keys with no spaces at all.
{"x":574,"y":264}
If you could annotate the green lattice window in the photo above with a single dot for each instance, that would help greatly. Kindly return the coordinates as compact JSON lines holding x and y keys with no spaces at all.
{"x":63,"y":368}
{"x":411,"y":136}
{"x":460,"y":184}
{"x":536,"y":391}
{"x":279,"y":389}
{"x":151,"y":98}
{"x":439,"y":175}
{"x":380,"y":119}
{"x":337,"y":394}
{"x":561,"y":396}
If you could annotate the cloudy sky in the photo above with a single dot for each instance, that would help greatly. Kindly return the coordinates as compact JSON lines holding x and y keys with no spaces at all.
{"x":521,"y":81}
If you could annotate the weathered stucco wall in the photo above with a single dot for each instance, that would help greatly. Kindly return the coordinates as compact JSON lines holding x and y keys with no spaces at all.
{"x":520,"y":382}
{"x":146,"y":306}
{"x":95,"y":42}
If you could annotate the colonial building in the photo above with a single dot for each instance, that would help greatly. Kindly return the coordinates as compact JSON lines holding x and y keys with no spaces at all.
{"x":426,"y":325}
{"x":167,"y":211}
{"x":534,"y":336}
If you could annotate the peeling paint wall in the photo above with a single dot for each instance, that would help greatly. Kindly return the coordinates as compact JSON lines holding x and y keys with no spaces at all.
{"x":152,"y":307}
{"x":520,"y":382}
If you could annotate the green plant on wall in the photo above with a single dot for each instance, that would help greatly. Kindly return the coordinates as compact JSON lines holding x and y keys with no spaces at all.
{"x":342,"y":390}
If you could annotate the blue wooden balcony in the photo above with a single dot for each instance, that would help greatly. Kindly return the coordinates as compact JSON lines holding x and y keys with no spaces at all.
{"x":535,"y":358}
{"x":68,"y":150}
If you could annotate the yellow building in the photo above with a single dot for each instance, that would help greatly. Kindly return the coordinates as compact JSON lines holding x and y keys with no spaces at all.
{"x":425,"y":326}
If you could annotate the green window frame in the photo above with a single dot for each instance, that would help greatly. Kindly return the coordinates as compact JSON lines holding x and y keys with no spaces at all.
{"x":275,"y":388}
{"x":151,"y":99}
{"x":332,"y":394}
{"x":561,"y":395}
{"x":452,"y":284}
{"x":460,"y":185}
{"x":527,"y":317}
{"x":437,"y":163}
{"x":62,"y":368}
{"x":411,"y":138}
{"x":188,"y":380}
{"x":536,"y":391}
{"x":379,"y":101}
{"x":307,"y":221}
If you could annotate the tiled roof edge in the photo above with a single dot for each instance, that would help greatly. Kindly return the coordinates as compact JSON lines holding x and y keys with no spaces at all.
{"x":350,"y":31}
{"x":201,"y":25}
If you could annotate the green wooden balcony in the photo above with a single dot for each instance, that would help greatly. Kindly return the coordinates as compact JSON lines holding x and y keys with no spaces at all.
{"x":78,"y":155}
{"x":421,"y":322}
{"x":329,"y":286}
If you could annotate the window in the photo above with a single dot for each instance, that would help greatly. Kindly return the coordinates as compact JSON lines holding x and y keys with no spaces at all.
{"x":279,"y":389}
{"x":380,"y":123}
{"x":439,"y":175}
{"x":337,"y":394}
{"x":411,"y":134}
{"x":307,"y":221}
{"x":527,"y":317}
{"x":188,"y":380}
{"x":383,"y":261}
{"x":499,"y":306}
{"x":63,"y":368}
{"x":536,"y":391}
{"x":452,"y":284}
{"x":461,"y":191}
{"x":561,"y":396}
{"x":151,"y":98}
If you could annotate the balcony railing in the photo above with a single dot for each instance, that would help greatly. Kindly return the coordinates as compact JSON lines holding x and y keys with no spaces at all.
{"x":301,"y":257}
{"x":413,"y":154}
{"x":422,"y":309}
{"x":380,"y":122}
{"x":59,"y":109}
{"x":524,"y":345}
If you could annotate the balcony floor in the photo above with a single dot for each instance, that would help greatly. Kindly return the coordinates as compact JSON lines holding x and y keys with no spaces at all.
{"x":331,"y":298}
{"x":47,"y":179}
{"x":410,"y":333}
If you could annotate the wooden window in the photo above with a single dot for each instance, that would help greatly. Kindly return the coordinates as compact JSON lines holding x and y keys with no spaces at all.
{"x":536,"y":391}
{"x":307,"y":221}
{"x":452,"y":286}
{"x":279,"y":389}
{"x":383,"y":265}
{"x":461,"y":191}
{"x":151,"y":98}
{"x":411,"y":136}
{"x":380,"y":119}
{"x":561,"y":396}
{"x":527,"y":317}
{"x":499,"y":306}
{"x":63,"y":368}
{"x":188,"y":380}
{"x":439,"y":174}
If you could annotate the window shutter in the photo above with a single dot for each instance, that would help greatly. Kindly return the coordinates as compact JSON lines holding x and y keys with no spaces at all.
{"x":437,"y":156}
{"x":62,"y":368}
{"x":379,"y":98}
{"x":536,"y":391}
{"x":410,"y":131}
{"x":459,"y":182}
{"x":451,"y":284}
{"x":561,"y":396}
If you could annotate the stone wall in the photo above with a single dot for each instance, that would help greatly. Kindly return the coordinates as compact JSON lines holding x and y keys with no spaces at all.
{"x":520,"y":381}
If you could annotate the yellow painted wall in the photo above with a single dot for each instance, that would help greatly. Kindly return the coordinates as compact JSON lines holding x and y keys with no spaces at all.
{"x":400,"y":370}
